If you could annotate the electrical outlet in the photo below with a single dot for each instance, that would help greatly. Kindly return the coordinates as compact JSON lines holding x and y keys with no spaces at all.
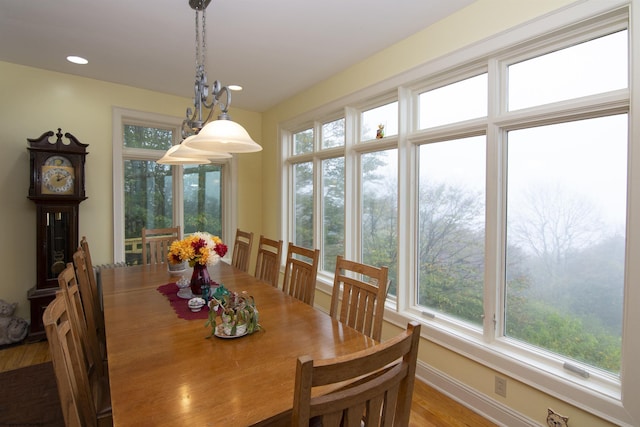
{"x":501,"y":386}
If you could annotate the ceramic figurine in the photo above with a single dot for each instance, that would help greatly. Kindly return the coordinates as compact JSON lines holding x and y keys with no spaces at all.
{"x":12,"y":329}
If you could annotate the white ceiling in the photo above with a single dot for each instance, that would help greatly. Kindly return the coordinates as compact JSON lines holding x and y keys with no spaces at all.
{"x":273,"y":48}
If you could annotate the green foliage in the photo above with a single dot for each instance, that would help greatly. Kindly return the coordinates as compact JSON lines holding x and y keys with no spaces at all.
{"x":303,"y":186}
{"x":569,"y":303}
{"x":379,"y":217}
{"x":333,"y":211}
{"x":547,"y":327}
{"x":451,"y":252}
{"x":148,"y":196}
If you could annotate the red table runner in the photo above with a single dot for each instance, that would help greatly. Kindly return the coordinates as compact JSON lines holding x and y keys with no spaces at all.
{"x":181,"y":305}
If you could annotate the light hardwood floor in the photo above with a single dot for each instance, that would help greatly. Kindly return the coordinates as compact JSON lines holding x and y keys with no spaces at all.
{"x":429,"y":409}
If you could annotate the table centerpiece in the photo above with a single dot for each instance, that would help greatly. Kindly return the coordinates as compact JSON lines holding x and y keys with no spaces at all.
{"x":200,"y":250}
{"x":237,"y":312}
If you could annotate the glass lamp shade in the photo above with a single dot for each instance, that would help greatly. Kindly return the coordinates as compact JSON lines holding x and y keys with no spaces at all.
{"x":169,"y":159}
{"x":187,"y":152}
{"x":223,"y":136}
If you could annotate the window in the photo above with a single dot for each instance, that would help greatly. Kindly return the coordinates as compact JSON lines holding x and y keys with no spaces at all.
{"x":383,"y":118}
{"x":203,"y":190}
{"x":326,"y":192}
{"x":148,"y":202}
{"x":333,"y":134}
{"x":451,"y":228}
{"x":498,"y":197}
{"x":332,"y":212}
{"x":303,"y":204}
{"x":437,"y":108}
{"x":566,"y":238}
{"x":148,"y":188}
{"x":591,"y":67}
{"x":158,"y":196}
{"x":379,"y":206}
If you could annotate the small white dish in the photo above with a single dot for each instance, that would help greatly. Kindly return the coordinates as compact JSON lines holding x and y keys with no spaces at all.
{"x":196,"y":304}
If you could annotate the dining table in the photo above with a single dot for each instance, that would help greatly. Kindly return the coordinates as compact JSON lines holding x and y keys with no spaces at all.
{"x":166,"y":369}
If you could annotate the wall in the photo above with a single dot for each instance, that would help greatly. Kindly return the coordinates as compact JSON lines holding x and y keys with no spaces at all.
{"x":466,"y":379}
{"x":35,"y":101}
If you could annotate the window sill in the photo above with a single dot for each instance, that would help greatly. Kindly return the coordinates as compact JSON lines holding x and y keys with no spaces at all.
{"x":600,"y":398}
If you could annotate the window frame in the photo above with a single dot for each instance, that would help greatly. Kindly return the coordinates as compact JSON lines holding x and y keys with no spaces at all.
{"x":600,"y":394}
{"x":122,"y":117}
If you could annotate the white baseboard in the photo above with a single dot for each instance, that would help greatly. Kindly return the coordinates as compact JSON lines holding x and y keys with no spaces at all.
{"x":482,"y":404}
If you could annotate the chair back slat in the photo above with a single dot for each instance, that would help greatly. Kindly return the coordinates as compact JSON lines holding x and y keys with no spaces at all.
{"x":242,"y":250}
{"x":156,"y":243}
{"x":371,"y":387}
{"x":301,"y":271}
{"x":364,"y":291}
{"x":268,"y":260}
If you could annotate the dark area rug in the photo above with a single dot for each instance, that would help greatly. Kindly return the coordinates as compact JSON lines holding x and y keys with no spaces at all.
{"x":29,"y":397}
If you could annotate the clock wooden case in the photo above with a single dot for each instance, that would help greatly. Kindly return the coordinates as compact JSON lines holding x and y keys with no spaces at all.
{"x":57,"y":188}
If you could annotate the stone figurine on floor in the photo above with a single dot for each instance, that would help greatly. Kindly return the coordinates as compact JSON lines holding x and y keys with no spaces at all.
{"x":12,"y":329}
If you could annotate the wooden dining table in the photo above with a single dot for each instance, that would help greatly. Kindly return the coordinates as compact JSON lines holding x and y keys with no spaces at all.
{"x":168,"y":371}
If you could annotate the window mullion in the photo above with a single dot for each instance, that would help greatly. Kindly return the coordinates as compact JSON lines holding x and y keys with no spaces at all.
{"x":352,"y":195}
{"x":494,"y":253}
{"x":406,"y":295}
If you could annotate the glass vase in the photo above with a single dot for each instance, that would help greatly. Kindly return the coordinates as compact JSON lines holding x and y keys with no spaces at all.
{"x":200,"y":280}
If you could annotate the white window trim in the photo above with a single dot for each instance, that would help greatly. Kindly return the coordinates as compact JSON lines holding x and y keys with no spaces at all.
{"x":618,"y":405}
{"x":122,"y":116}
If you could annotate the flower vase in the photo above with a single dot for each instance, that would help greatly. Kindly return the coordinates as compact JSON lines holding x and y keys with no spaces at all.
{"x":200,"y":279}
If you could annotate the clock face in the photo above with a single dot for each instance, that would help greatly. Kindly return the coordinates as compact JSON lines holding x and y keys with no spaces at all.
{"x":57,"y":180}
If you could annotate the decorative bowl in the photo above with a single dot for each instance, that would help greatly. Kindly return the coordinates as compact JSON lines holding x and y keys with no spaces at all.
{"x":196,"y":304}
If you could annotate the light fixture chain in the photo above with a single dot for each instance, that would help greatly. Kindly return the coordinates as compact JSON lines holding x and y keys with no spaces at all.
{"x":197,"y":26}
{"x":204,"y":35}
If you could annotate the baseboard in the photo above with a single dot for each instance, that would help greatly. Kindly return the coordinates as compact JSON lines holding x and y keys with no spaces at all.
{"x":482,"y":404}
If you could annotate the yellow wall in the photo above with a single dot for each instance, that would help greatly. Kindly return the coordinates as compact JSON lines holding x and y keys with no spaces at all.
{"x":35,"y":101}
{"x":480,"y":20}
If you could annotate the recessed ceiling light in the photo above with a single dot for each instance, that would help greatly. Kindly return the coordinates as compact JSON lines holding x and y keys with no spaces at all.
{"x":77,"y":60}
{"x":236,"y":88}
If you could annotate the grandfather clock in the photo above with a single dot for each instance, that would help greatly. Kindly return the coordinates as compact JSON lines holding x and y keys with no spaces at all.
{"x":57,"y":188}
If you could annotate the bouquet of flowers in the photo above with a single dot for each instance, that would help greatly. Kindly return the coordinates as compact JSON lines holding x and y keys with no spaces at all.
{"x":198,"y":248}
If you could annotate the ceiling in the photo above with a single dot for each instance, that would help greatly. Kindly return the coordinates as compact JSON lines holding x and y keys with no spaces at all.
{"x":273,"y":48}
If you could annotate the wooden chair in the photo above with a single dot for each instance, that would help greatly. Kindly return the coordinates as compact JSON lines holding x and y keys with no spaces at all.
{"x":242,"y":250}
{"x":90,"y":301}
{"x":268,"y":260}
{"x":156,"y":242}
{"x":364,"y":290}
{"x":372,"y":387}
{"x":83,"y":324}
{"x":300,"y":275}
{"x":74,"y":388}
{"x":92,"y":271}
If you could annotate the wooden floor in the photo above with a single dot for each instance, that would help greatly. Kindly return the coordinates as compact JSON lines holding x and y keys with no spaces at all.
{"x":429,"y":409}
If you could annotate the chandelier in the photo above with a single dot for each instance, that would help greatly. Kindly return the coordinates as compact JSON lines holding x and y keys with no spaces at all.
{"x":204,"y":139}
